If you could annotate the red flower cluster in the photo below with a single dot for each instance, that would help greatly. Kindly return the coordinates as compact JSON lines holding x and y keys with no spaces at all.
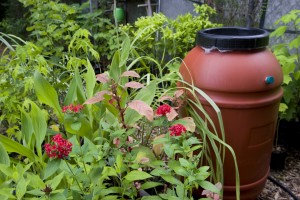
{"x":72,"y":108}
{"x":177,"y":130}
{"x":60,"y":147}
{"x":163,"y":110}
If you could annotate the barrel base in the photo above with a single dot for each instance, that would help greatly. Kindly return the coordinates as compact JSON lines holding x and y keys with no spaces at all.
{"x":248,"y":192}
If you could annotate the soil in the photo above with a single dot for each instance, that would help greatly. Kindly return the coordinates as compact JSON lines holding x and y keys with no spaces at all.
{"x":289,"y":177}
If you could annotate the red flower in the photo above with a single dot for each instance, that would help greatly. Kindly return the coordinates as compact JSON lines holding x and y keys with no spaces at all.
{"x":60,"y":147}
{"x":72,"y":108}
{"x":163,"y":110}
{"x":177,"y":130}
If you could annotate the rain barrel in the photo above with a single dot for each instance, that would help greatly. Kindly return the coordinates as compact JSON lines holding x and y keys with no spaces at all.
{"x":235,"y":68}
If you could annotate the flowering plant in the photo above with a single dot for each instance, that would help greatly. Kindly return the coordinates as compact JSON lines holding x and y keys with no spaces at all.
{"x":126,"y":139}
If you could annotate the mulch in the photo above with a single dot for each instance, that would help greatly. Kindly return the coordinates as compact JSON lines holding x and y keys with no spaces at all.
{"x":289,"y":177}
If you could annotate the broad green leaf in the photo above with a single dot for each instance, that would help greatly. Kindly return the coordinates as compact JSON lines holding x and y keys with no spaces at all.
{"x":72,"y":93}
{"x":125,"y":51}
{"x":47,"y":94}
{"x":21,"y":188}
{"x":172,"y":180}
{"x":150,"y":184}
{"x":26,"y":128}
{"x":80,"y":91}
{"x":90,"y":80}
{"x":39,"y":125}
{"x":51,"y":168}
{"x":76,"y":126}
{"x":36,"y":192}
{"x":115,"y":71}
{"x":159,"y":172}
{"x":109,"y":171}
{"x":209,"y":186}
{"x":13,"y":146}
{"x":112,"y":197}
{"x":137,"y":175}
{"x":4,"y":158}
{"x":7,"y":192}
{"x":58,"y":196}
{"x":181,"y":171}
{"x":54,"y":182}
{"x":151,"y":198}
{"x":180,"y":191}
{"x":185,"y":163}
{"x":279,"y":31}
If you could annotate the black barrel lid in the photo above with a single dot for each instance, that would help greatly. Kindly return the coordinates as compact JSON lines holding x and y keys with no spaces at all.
{"x":233,"y":38}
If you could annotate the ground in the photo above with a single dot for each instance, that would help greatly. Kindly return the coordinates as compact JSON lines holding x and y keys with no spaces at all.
{"x":289,"y":177}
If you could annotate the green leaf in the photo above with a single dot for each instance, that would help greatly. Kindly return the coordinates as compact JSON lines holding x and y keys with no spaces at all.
{"x":90,"y":80}
{"x":47,"y":94}
{"x":172,"y":180}
{"x":159,"y":172}
{"x":21,"y":188}
{"x":125,"y":51}
{"x":279,"y":31}
{"x":58,"y":196}
{"x":115,"y":71}
{"x":150,"y":184}
{"x":26,"y":128}
{"x":39,"y":126}
{"x":12,"y":146}
{"x":181,"y":171}
{"x":137,"y":175}
{"x":72,"y":93}
{"x":51,"y":168}
{"x":209,"y":186}
{"x":54,"y":182}
{"x":185,"y":163}
{"x":282,"y":107}
{"x":76,"y":126}
{"x":151,"y":198}
{"x":4,"y":158}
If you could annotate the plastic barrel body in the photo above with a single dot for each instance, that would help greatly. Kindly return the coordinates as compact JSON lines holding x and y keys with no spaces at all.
{"x":245,"y":84}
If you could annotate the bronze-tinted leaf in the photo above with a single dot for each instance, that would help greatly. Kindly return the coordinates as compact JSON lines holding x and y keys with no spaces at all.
{"x":178,"y":93}
{"x":189,"y":124}
{"x":130,"y":73}
{"x":103,"y":78}
{"x":97,"y":98}
{"x":172,"y":114}
{"x":133,"y":84}
{"x":165,"y":97}
{"x":142,"y":108}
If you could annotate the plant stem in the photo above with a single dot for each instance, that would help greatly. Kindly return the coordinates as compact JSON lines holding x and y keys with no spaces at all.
{"x":118,"y":99}
{"x":74,"y":177}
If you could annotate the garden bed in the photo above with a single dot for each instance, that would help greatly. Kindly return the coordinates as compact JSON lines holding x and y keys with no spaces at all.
{"x":289,"y":178}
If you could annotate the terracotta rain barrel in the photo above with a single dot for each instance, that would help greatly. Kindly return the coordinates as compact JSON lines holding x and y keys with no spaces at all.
{"x":236,"y":69}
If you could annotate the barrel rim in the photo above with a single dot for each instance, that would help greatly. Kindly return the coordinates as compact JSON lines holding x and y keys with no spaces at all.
{"x":233,"y":38}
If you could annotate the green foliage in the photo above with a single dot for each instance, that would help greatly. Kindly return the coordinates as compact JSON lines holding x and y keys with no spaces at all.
{"x":161,"y":37}
{"x":120,"y":148}
{"x":288,"y":54}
